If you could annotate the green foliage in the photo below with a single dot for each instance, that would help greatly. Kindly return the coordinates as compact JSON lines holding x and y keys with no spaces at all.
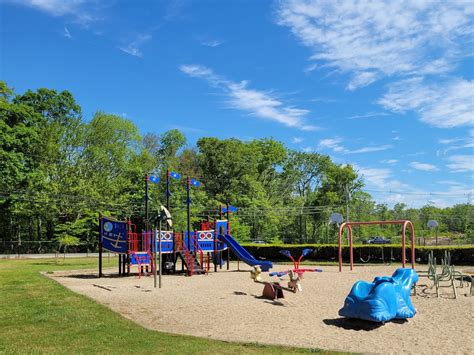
{"x":60,"y":171}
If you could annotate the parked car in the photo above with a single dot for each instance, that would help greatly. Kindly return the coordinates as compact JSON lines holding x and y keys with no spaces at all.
{"x":378,"y":240}
{"x":258,"y":242}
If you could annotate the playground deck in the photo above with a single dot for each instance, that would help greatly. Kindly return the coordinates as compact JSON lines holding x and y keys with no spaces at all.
{"x":227,"y":306}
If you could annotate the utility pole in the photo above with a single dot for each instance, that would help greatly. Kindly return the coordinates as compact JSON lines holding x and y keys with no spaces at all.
{"x":168,"y":194}
{"x":146,"y":202}
{"x":347,"y":202}
{"x":188,"y":211}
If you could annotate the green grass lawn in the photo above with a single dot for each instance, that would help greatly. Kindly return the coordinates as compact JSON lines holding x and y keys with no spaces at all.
{"x":39,"y":315}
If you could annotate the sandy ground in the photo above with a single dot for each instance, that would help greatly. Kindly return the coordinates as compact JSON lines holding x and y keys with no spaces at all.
{"x":227,"y":305}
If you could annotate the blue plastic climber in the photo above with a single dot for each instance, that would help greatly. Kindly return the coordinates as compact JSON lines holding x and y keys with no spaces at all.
{"x":384,"y":299}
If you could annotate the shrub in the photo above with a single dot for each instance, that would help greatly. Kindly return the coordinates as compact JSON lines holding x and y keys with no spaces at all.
{"x":460,"y":255}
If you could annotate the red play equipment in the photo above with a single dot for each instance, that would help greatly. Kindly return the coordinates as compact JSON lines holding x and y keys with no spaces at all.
{"x":348,"y":226}
{"x":139,"y":249}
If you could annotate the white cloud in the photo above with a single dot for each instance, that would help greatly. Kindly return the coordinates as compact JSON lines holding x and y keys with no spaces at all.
{"x":258,"y":103}
{"x":449,"y":182}
{"x":389,"y":161}
{"x":66,"y":33}
{"x":461,"y":163}
{"x":335,"y":145}
{"x":423,"y":166}
{"x":192,"y":130}
{"x":212,"y":43}
{"x":331,"y":143}
{"x":297,"y":140}
{"x":198,"y":71}
{"x":457,"y":143}
{"x":416,"y":154}
{"x":450,"y":140}
{"x":370,"y":149}
{"x":362,"y":79}
{"x":447,"y":106}
{"x":76,"y":9}
{"x":379,"y":178}
{"x":368,"y":115}
{"x":374,"y":39}
{"x":326,"y":100}
{"x":310,"y":68}
{"x":379,"y":182}
{"x":133,"y":47}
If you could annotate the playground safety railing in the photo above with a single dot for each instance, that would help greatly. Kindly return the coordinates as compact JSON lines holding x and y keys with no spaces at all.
{"x":182,"y":247}
{"x":198,"y":251}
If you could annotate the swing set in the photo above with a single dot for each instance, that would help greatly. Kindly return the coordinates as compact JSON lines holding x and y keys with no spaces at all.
{"x":348,"y":225}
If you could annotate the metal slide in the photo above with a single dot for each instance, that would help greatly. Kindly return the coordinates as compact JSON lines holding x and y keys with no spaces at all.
{"x":243,"y":254}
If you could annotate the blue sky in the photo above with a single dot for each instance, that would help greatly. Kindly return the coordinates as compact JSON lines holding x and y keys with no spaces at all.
{"x":385,"y":86}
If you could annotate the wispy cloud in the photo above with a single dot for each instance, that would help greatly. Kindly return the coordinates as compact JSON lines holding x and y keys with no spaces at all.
{"x":447,"y":106}
{"x":310,"y":68}
{"x":461,"y":163}
{"x":371,"y":40}
{"x":66,"y":33}
{"x":389,"y":161}
{"x":368,"y":115}
{"x":416,"y":154}
{"x":297,"y":140}
{"x":375,"y":176}
{"x":188,"y":129}
{"x":335,"y":145}
{"x":457,"y":143}
{"x":423,"y":166}
{"x":369,"y":149}
{"x":382,"y":185}
{"x":331,"y":143}
{"x":258,"y":103}
{"x":133,"y":47}
{"x":212,"y":43}
{"x":326,"y":100}
{"x":82,"y":11}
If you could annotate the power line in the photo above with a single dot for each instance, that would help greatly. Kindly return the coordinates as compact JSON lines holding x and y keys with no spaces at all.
{"x":448,"y":194}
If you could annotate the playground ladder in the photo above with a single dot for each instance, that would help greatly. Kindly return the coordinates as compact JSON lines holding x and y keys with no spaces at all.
{"x":190,"y":259}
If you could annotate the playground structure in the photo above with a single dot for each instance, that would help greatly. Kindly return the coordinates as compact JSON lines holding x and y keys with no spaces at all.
{"x":384,"y":299}
{"x":197,"y":249}
{"x":348,"y":226}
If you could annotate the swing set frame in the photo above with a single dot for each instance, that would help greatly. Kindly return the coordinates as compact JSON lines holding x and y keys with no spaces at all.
{"x":348,"y":226}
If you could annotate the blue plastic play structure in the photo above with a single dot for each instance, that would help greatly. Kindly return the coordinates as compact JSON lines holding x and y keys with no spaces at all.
{"x":384,"y":299}
{"x":243,"y":254}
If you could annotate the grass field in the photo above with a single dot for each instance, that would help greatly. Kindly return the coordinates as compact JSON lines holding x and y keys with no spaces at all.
{"x":39,"y":315}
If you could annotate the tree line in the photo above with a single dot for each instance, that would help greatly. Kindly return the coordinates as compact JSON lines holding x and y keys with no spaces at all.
{"x":60,"y":170}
